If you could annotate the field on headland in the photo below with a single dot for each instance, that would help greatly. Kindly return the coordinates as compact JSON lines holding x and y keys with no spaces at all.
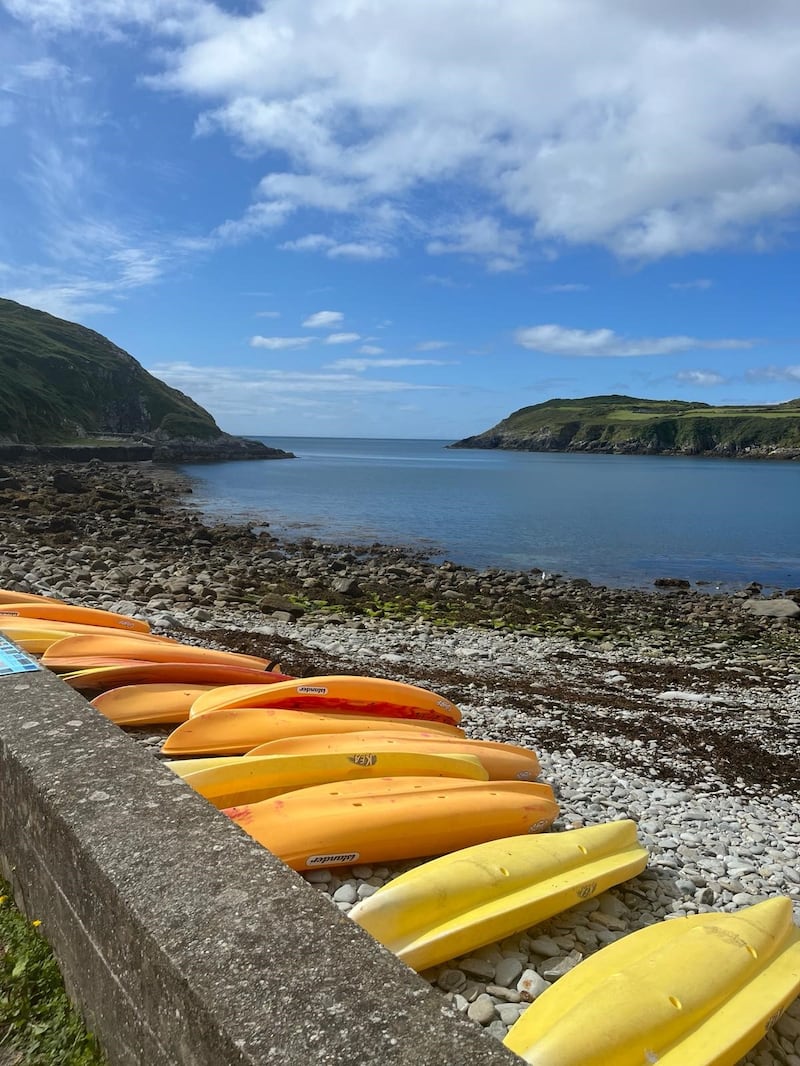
{"x":673,"y":707}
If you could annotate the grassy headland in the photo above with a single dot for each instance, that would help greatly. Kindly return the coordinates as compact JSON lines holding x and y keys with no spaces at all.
{"x":630,"y":425}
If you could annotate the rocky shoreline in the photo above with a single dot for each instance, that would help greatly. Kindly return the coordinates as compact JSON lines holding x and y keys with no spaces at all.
{"x":675,"y":707}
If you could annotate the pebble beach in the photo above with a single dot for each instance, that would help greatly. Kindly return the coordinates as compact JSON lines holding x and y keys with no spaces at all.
{"x":677,"y":707}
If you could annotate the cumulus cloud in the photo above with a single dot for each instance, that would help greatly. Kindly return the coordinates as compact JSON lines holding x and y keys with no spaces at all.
{"x":342,"y":338}
{"x":482,"y":238}
{"x":603,"y":343}
{"x":649,"y":129}
{"x":280,"y":344}
{"x":702,"y":378}
{"x":774,"y":373}
{"x":323,"y":319}
{"x":371,"y":349}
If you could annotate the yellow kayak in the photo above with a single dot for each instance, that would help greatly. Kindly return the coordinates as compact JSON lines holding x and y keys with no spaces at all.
{"x":241,"y":729}
{"x":696,"y":991}
{"x":239,"y":781}
{"x":53,"y":611}
{"x":462,"y":901}
{"x":341,"y":693}
{"x":392,"y":818}
{"x":502,"y":762}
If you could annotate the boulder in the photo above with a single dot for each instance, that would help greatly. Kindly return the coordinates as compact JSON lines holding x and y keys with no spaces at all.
{"x":777,"y":608}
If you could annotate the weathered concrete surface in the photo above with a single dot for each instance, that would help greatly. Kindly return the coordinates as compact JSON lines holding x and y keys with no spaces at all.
{"x":183,"y":940}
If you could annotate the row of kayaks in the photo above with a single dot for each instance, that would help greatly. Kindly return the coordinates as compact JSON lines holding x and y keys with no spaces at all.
{"x":337,"y":770}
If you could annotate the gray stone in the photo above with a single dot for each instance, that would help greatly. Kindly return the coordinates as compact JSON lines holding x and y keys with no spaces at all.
{"x":777,"y":608}
{"x":482,"y":1010}
{"x":507,"y":972}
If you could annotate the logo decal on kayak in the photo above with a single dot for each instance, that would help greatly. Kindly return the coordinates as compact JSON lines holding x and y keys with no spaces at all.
{"x":585,"y":891}
{"x":444,"y":705}
{"x":524,"y":775}
{"x":363,"y":759}
{"x":311,"y":690}
{"x":537,"y":827}
{"x":332,"y":860}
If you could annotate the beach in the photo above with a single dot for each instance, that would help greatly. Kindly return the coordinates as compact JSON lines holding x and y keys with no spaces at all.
{"x":678,"y":707}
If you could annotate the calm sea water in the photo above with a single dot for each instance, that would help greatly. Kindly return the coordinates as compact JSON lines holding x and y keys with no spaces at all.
{"x":618,"y":520}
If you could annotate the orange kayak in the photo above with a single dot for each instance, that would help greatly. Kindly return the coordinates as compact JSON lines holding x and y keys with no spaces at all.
{"x":10,"y":596}
{"x":36,"y":635}
{"x":236,"y":731}
{"x":393,"y":818}
{"x":502,"y":762}
{"x":66,"y":612}
{"x":76,"y":649}
{"x":100,"y":679}
{"x":341,"y":693}
{"x":154,"y":704}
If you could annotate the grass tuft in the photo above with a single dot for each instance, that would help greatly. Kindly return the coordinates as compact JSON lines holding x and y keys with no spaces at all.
{"x":38,"y":1024}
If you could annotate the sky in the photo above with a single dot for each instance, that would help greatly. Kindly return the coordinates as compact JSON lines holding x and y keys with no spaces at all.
{"x":380,"y":219}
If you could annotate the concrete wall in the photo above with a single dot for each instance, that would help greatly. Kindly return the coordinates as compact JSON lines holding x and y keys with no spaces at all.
{"x":184,"y":941}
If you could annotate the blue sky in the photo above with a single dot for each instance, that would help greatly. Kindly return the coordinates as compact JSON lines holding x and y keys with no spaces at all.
{"x":365,"y":218}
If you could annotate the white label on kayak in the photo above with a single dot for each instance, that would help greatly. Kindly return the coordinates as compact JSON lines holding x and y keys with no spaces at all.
{"x":124,"y":622}
{"x":311,"y":690}
{"x":363,"y":759}
{"x":444,"y":705}
{"x":10,"y":614}
{"x":525,"y":775}
{"x":342,"y":859}
{"x":585,"y":891}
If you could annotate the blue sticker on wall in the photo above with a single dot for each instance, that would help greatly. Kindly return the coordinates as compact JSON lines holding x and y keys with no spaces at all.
{"x":14,"y":661}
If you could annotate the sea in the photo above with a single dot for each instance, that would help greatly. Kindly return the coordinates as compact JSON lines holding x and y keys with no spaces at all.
{"x":618,"y":520}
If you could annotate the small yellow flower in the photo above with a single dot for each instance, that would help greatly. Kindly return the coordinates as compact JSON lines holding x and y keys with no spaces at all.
{"x":3,"y":899}
{"x":36,"y":923}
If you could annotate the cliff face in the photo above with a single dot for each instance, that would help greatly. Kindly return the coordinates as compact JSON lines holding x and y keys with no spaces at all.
{"x":61,"y":383}
{"x":625,"y":424}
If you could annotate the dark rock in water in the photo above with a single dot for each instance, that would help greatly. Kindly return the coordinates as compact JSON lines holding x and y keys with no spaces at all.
{"x":223,"y":448}
{"x":672,"y":583}
{"x":64,"y":481}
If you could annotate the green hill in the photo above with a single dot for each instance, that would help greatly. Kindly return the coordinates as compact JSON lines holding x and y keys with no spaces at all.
{"x":61,"y":383}
{"x":629,"y":425}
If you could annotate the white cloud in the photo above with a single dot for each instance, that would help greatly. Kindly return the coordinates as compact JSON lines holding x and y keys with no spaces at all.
{"x":371,"y":349}
{"x":700,"y":284}
{"x":318,"y":242}
{"x":568,"y":286}
{"x":774,"y":373}
{"x":212,"y":386}
{"x":483,"y":238}
{"x":359,"y":365}
{"x":431,"y":346}
{"x":702,"y":378}
{"x":279,"y":344}
{"x":342,"y":338}
{"x":650,"y":129}
{"x":602,"y":343}
{"x":323,"y":319}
